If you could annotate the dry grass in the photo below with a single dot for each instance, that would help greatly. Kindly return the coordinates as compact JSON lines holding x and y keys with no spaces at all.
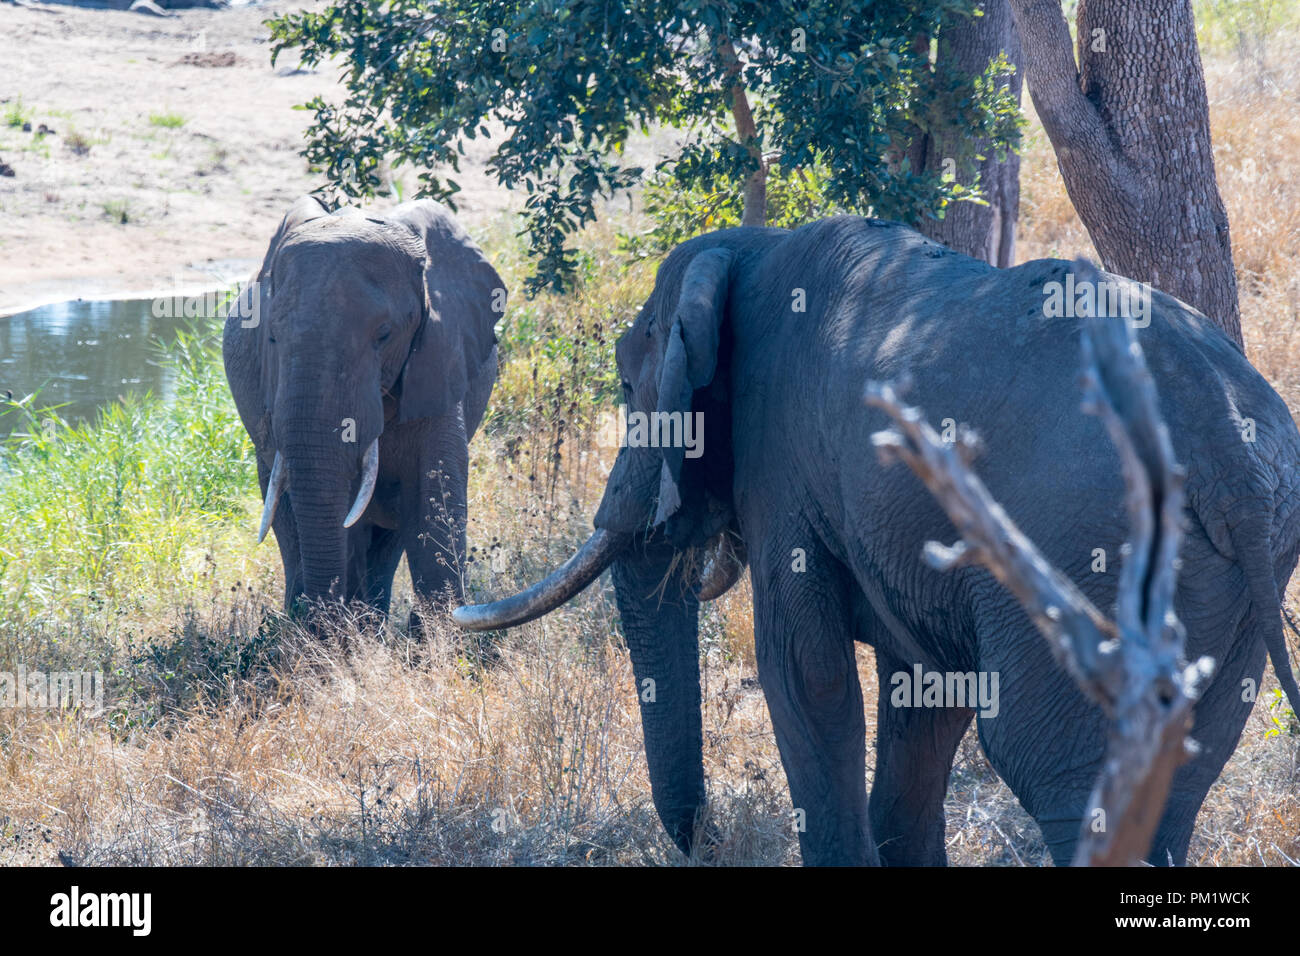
{"x":240,"y":740}
{"x":367,"y":749}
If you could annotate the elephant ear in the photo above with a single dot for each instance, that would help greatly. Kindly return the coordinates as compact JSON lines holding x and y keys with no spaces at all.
{"x":695,"y":493}
{"x":453,"y":353}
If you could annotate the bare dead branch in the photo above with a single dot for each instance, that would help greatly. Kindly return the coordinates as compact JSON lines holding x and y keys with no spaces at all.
{"x":1132,"y":667}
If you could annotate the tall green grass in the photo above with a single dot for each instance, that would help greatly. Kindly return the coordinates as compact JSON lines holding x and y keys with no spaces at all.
{"x":114,"y":512}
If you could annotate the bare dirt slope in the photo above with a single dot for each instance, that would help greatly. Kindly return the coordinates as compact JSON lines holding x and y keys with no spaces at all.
{"x":199,"y":158}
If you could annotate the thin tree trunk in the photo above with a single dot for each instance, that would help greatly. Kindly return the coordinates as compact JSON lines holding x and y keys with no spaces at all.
{"x":987,"y":232}
{"x":755,"y":209}
{"x":1130,"y":124}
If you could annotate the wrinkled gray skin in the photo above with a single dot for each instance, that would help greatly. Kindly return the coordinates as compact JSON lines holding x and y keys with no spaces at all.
{"x":788,"y":464}
{"x":387,"y":322}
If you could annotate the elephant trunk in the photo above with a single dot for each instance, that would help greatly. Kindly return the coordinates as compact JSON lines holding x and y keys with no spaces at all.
{"x":658,"y":601}
{"x":661,"y":626}
{"x":326,"y":431}
{"x":320,"y":491}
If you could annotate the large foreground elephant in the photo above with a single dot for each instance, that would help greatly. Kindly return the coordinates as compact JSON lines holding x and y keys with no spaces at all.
{"x":361,"y":360}
{"x":770,"y":336}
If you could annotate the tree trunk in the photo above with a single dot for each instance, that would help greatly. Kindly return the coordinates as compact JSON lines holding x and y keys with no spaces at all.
{"x":984,"y":232}
{"x":1130,"y":124}
{"x":754,"y":212}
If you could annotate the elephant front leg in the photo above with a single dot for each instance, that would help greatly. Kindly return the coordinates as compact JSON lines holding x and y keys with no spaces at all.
{"x":808,"y":669}
{"x":382,"y":557}
{"x":434,"y":536}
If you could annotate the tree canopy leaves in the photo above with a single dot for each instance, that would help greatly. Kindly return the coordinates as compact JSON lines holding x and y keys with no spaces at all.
{"x":560,"y":85}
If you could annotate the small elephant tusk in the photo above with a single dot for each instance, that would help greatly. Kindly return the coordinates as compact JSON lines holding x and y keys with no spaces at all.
{"x":279,"y":476}
{"x":722,"y":569}
{"x":368,"y":477}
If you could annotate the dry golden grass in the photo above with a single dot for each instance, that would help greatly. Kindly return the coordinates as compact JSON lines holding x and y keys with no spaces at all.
{"x":528,"y":751}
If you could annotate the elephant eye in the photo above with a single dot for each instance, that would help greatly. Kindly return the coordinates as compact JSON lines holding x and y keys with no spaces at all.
{"x":627,"y":389}
{"x":385,"y":331}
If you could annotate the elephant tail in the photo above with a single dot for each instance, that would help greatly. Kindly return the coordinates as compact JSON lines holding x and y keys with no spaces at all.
{"x":1252,"y":542}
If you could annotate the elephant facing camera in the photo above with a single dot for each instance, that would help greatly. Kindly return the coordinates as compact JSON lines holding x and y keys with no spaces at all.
{"x":361,"y":358}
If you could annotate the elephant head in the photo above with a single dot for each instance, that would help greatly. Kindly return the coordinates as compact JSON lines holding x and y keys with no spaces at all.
{"x":354,"y":325}
{"x":665,"y":524}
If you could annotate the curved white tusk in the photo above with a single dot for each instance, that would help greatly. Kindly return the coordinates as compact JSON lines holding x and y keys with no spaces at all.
{"x":369,"y":474}
{"x":274,"y":487}
{"x":545,"y":596}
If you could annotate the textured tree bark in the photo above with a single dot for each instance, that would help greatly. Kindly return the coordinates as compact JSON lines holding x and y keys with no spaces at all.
{"x":984,"y":232}
{"x":1130,"y":125}
{"x":1129,"y":667}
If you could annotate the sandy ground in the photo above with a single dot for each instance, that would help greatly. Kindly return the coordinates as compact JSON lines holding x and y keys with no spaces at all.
{"x":201,"y":199}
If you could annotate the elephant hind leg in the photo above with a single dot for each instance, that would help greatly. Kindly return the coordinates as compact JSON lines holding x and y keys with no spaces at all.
{"x":915,"y":747}
{"x":1220,"y":715}
{"x":1219,"y":718}
{"x":808,"y":668}
{"x":1042,"y":736}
